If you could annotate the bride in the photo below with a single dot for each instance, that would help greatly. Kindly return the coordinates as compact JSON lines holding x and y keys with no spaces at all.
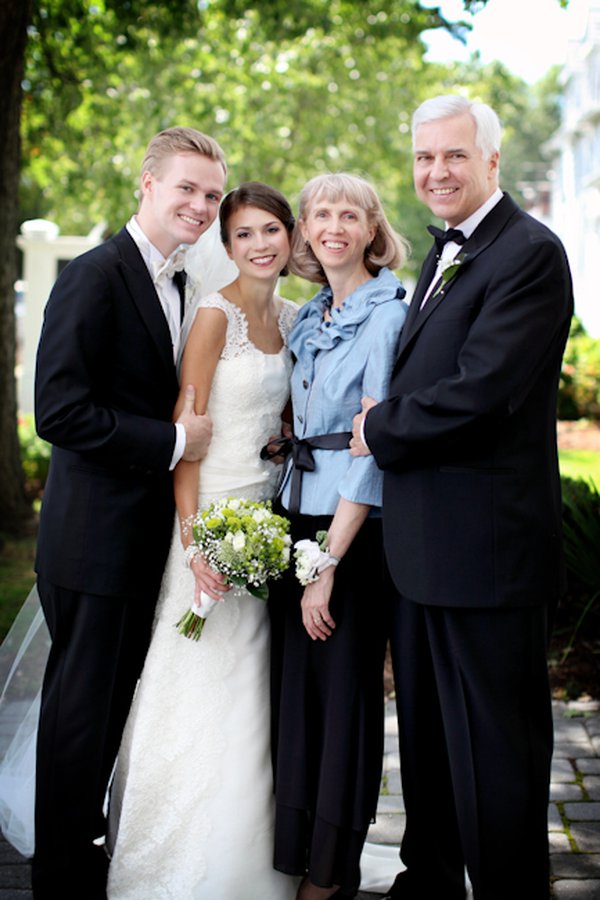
{"x":190,"y":813}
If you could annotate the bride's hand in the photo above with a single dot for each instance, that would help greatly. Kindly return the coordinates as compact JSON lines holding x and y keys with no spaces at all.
{"x":207,"y":580}
{"x":273,"y":444}
{"x":315,"y":606}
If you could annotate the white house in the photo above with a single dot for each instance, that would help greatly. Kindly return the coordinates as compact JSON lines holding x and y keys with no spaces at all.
{"x":576,"y":187}
{"x":45,"y":252}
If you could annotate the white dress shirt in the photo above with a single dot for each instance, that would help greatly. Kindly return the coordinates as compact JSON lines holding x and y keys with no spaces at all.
{"x":451,"y":249}
{"x":170,"y":301}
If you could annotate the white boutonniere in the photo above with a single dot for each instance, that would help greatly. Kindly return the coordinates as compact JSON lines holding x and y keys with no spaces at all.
{"x":448,"y":269}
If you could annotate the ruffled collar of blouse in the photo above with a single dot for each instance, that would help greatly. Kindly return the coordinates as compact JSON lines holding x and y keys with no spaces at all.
{"x":311,"y":333}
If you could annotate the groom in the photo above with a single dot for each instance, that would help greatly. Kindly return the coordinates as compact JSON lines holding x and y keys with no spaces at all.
{"x":106,"y":386}
{"x":472,"y":521}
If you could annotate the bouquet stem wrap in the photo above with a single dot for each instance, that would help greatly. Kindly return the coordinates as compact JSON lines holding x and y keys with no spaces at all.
{"x":192,"y":622}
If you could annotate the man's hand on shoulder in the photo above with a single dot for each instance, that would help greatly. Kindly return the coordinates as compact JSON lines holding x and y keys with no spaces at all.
{"x":198,"y":429}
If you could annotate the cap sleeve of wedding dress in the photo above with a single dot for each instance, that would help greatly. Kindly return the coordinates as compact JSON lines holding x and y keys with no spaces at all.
{"x":287,"y":317}
{"x":191,"y":814}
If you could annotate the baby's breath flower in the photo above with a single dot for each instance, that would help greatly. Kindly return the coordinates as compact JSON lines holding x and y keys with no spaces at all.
{"x":245,"y":541}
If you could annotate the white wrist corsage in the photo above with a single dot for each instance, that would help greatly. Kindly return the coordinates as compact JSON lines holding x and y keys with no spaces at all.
{"x":312,"y":557}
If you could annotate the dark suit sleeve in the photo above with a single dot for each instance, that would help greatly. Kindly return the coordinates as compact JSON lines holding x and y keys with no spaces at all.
{"x":94,"y":394}
{"x":516,"y":302}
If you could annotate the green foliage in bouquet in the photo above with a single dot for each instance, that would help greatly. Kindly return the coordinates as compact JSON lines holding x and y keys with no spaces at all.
{"x":245,"y":541}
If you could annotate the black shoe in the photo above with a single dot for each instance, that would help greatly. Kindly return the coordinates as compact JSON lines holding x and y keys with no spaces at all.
{"x":85,"y":878}
{"x":407,"y":888}
{"x":400,"y":890}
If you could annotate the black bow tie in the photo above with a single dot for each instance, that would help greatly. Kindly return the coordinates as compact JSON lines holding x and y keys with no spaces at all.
{"x":444,"y":237}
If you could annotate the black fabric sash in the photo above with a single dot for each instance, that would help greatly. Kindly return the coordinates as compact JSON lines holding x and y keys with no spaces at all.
{"x":302,"y":457}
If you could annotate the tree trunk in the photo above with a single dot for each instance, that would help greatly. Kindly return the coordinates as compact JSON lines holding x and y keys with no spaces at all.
{"x":15,"y":512}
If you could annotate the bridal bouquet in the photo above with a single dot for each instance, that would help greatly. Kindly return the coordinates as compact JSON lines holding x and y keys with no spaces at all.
{"x":246,"y":542}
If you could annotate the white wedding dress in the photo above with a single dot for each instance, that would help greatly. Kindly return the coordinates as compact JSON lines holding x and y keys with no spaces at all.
{"x":191,"y":809}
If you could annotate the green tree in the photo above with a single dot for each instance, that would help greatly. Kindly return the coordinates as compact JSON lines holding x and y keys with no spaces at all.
{"x":530,"y":115}
{"x":69,"y":40}
{"x":289,"y":87}
{"x":14,"y":18}
{"x":281,"y":103}
{"x":81,"y":81}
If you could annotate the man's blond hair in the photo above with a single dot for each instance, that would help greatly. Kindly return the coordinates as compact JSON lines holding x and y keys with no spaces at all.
{"x":171,"y":141}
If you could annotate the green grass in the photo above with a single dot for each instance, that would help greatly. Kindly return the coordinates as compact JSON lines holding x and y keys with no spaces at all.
{"x":16,"y":578}
{"x":580,"y":464}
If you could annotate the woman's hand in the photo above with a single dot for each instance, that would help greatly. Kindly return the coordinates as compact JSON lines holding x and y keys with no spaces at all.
{"x":315,"y":606}
{"x":207,"y":580}
{"x":273,"y":443}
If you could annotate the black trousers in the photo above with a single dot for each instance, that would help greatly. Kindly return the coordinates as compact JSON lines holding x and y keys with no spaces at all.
{"x":98,"y":650}
{"x":475,"y":725}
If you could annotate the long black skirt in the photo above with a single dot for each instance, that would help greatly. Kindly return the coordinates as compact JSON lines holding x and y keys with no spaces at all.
{"x":327,"y":728}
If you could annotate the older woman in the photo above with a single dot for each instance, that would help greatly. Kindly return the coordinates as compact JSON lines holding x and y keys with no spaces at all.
{"x":329,"y":636}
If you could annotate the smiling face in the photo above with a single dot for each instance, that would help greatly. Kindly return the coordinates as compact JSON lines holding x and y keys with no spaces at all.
{"x":450,"y":174}
{"x":258,"y":242}
{"x":180,"y":200}
{"x":338,"y":233}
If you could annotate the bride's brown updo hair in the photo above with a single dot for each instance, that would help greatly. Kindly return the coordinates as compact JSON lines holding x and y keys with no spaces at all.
{"x":260,"y":196}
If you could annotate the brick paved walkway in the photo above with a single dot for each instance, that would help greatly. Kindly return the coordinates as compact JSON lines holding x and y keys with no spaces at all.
{"x":574,"y":813}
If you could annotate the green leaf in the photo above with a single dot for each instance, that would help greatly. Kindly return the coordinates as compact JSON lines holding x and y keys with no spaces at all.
{"x":259,"y":590}
{"x":237,"y":579}
{"x":321,"y":539}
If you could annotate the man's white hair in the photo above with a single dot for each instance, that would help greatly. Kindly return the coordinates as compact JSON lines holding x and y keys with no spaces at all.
{"x":488,"y":131}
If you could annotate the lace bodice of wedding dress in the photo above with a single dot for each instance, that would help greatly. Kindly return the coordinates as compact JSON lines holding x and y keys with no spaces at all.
{"x":248,"y":393}
{"x":191,"y":806}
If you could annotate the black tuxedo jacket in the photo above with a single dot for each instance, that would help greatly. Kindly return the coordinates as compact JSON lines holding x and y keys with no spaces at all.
{"x":105,"y":391}
{"x":467,"y":437}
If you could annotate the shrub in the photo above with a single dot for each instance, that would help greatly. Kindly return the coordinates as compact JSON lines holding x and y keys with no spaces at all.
{"x":35,"y":457}
{"x":581,"y":534}
{"x":579,"y":388}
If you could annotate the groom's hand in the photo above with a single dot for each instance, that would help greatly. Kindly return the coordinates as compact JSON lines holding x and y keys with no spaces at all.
{"x":357,"y":444}
{"x":198,"y":429}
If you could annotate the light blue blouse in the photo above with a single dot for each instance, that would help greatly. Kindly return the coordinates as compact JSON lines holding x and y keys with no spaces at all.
{"x":337,"y":363}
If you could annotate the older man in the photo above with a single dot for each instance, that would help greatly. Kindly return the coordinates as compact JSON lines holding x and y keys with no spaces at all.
{"x":472,"y":511}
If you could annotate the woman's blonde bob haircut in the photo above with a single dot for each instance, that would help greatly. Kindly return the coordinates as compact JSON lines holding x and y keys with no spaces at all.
{"x":387,"y":247}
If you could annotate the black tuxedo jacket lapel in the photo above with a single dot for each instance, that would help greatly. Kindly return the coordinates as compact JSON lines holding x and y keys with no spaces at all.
{"x":485,"y":233}
{"x":143,"y":293}
{"x":423,"y":283}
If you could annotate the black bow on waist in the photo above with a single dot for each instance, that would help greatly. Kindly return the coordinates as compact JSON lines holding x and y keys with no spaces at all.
{"x":302,"y":457}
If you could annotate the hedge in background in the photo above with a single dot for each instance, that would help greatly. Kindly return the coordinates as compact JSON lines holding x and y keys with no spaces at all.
{"x":579,"y":390}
